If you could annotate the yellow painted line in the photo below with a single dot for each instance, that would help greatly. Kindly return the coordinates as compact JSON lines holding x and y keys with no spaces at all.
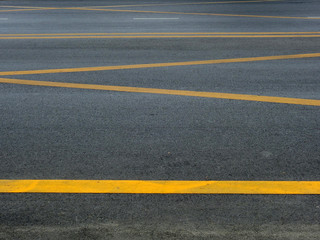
{"x":19,"y":10}
{"x":30,"y":9}
{"x":166,"y":36}
{"x":176,"y":4}
{"x":159,"y":187}
{"x":203,"y":14}
{"x":159,"y":33}
{"x":153,"y":65}
{"x":160,"y":4}
{"x":163,"y":12}
{"x":232,"y":96}
{"x":23,"y":7}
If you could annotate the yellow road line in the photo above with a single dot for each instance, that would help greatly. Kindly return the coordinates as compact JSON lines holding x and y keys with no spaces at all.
{"x":19,"y":10}
{"x":166,"y":36}
{"x":144,"y":5}
{"x":203,"y":14}
{"x":160,"y":4}
{"x":159,"y":33}
{"x":176,"y":4}
{"x":23,"y":7}
{"x":159,"y":187}
{"x":153,"y":65}
{"x":163,"y":12}
{"x":232,"y":96}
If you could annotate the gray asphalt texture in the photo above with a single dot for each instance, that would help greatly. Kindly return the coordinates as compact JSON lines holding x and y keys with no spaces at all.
{"x":60,"y":133}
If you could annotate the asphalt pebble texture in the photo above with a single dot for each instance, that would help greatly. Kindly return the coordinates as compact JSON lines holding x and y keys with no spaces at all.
{"x":65,"y":133}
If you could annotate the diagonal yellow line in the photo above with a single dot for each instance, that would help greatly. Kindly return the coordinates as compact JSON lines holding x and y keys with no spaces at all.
{"x":160,"y":4}
{"x":232,"y":96}
{"x":203,"y":14}
{"x":154,"y":65}
{"x":177,"y":4}
{"x":159,"y":187}
{"x":164,"y":12}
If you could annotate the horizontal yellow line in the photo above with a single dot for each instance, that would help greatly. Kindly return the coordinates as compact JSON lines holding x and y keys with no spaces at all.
{"x":19,"y":10}
{"x":23,"y":7}
{"x":160,"y":33}
{"x":159,"y":187}
{"x":167,"y":36}
{"x":203,"y":14}
{"x":153,"y":65}
{"x":244,"y":97}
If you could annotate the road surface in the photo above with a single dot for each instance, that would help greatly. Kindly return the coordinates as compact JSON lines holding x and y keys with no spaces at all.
{"x":159,"y":90}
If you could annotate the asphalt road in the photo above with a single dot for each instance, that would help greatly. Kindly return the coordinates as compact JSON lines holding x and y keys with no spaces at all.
{"x":76,"y":133}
